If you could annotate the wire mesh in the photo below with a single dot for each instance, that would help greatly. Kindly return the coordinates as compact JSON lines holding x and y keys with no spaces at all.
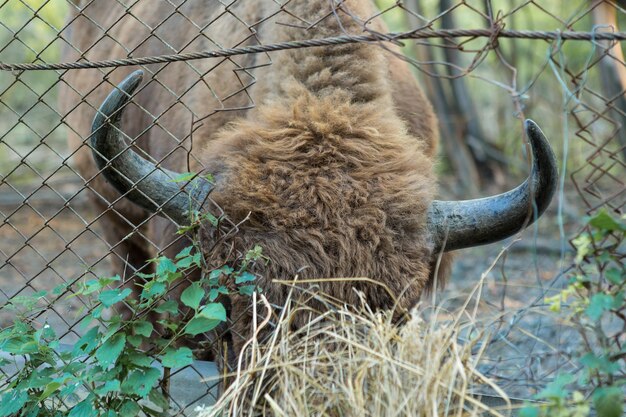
{"x":56,"y":215}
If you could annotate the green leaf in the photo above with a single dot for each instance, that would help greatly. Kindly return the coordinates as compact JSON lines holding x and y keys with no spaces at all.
{"x":110,"y":350}
{"x":143,"y":328}
{"x":177,"y":358}
{"x":244,"y":277}
{"x":130,"y":408}
{"x":173,"y":277}
{"x":199,"y":325}
{"x":170,"y":325}
{"x":598,"y":304}
{"x":74,"y":368}
{"x":604,"y":221}
{"x":158,"y":399}
{"x":609,"y":402}
{"x":185,"y":252}
{"x":109,"y":386}
{"x":255,"y":253}
{"x":145,"y":277}
{"x":31,"y":411}
{"x":216,"y":273}
{"x":207,"y":319}
{"x":184,"y":177}
{"x":139,"y":359}
{"x":141,"y":381}
{"x":37,"y":380}
{"x":60,"y":288}
{"x":46,"y":333}
{"x":192,"y":295}
{"x":68,"y":390}
{"x":97,"y":312}
{"x":134,"y":340}
{"x":615,"y":276}
{"x":83,"y":409}
{"x":214,"y":311}
{"x":50,"y":388}
{"x":39,"y":294}
{"x":165,"y":266}
{"x":213,"y":294}
{"x":21,"y":328}
{"x":111,"y":297}
{"x":28,"y":301}
{"x":90,"y":287}
{"x":601,"y":363}
{"x":247,"y":289}
{"x":211,"y":218}
{"x":7,"y":333}
{"x":556,"y":388}
{"x":113,"y":328}
{"x":169,"y":306}
{"x":20,"y":346}
{"x":193,"y":215}
{"x":529,"y":411}
{"x":185,"y":262}
{"x":96,"y":285}
{"x":153,"y":289}
{"x":618,"y":300}
{"x":12,"y":402}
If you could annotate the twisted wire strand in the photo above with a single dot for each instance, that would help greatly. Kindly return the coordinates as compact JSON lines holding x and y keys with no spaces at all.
{"x":493,"y":33}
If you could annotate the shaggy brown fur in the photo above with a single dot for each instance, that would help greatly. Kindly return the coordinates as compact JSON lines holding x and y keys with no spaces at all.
{"x":333,"y":166}
{"x":329,"y":186}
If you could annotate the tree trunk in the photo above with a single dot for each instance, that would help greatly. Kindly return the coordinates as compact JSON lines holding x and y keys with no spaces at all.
{"x":612,"y":69}
{"x":438,"y":90}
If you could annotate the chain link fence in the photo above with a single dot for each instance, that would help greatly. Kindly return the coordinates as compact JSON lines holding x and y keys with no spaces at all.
{"x":558,"y":62}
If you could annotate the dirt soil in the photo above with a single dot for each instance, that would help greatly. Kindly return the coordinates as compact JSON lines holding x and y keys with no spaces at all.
{"x":44,"y":245}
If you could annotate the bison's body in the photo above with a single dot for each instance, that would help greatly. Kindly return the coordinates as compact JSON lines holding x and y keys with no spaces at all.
{"x":332,"y":168}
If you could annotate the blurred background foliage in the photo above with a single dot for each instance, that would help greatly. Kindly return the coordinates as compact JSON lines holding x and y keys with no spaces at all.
{"x":482,"y":94}
{"x":29,"y":122}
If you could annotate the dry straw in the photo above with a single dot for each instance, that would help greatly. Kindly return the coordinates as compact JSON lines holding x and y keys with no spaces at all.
{"x":359,"y":363}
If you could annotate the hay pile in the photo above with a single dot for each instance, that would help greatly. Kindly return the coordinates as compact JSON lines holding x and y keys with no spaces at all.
{"x":347,"y":363}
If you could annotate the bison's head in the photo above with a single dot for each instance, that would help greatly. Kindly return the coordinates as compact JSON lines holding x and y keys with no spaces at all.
{"x":451,"y":224}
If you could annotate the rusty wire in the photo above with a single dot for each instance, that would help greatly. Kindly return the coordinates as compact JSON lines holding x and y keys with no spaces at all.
{"x":333,"y":41}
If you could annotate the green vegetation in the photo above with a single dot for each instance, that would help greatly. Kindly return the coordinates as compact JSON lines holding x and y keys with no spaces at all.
{"x":594,"y":303}
{"x":29,"y":122}
{"x":115,"y":363}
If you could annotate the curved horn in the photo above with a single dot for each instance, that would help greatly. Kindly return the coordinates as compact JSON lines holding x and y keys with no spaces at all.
{"x":461,"y":224}
{"x":144,"y":183}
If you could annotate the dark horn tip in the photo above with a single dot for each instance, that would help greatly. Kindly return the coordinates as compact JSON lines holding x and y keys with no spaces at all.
{"x":530,"y":124}
{"x":111,"y":111}
{"x":130,"y":83}
{"x":544,"y":166}
{"x":121,"y":94}
{"x":460,"y":224}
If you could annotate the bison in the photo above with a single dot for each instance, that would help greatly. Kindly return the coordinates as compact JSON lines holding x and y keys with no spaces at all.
{"x":331,"y":172}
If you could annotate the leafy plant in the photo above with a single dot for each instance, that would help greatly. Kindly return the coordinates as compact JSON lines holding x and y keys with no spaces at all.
{"x":113,"y":369}
{"x":595,"y":303}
